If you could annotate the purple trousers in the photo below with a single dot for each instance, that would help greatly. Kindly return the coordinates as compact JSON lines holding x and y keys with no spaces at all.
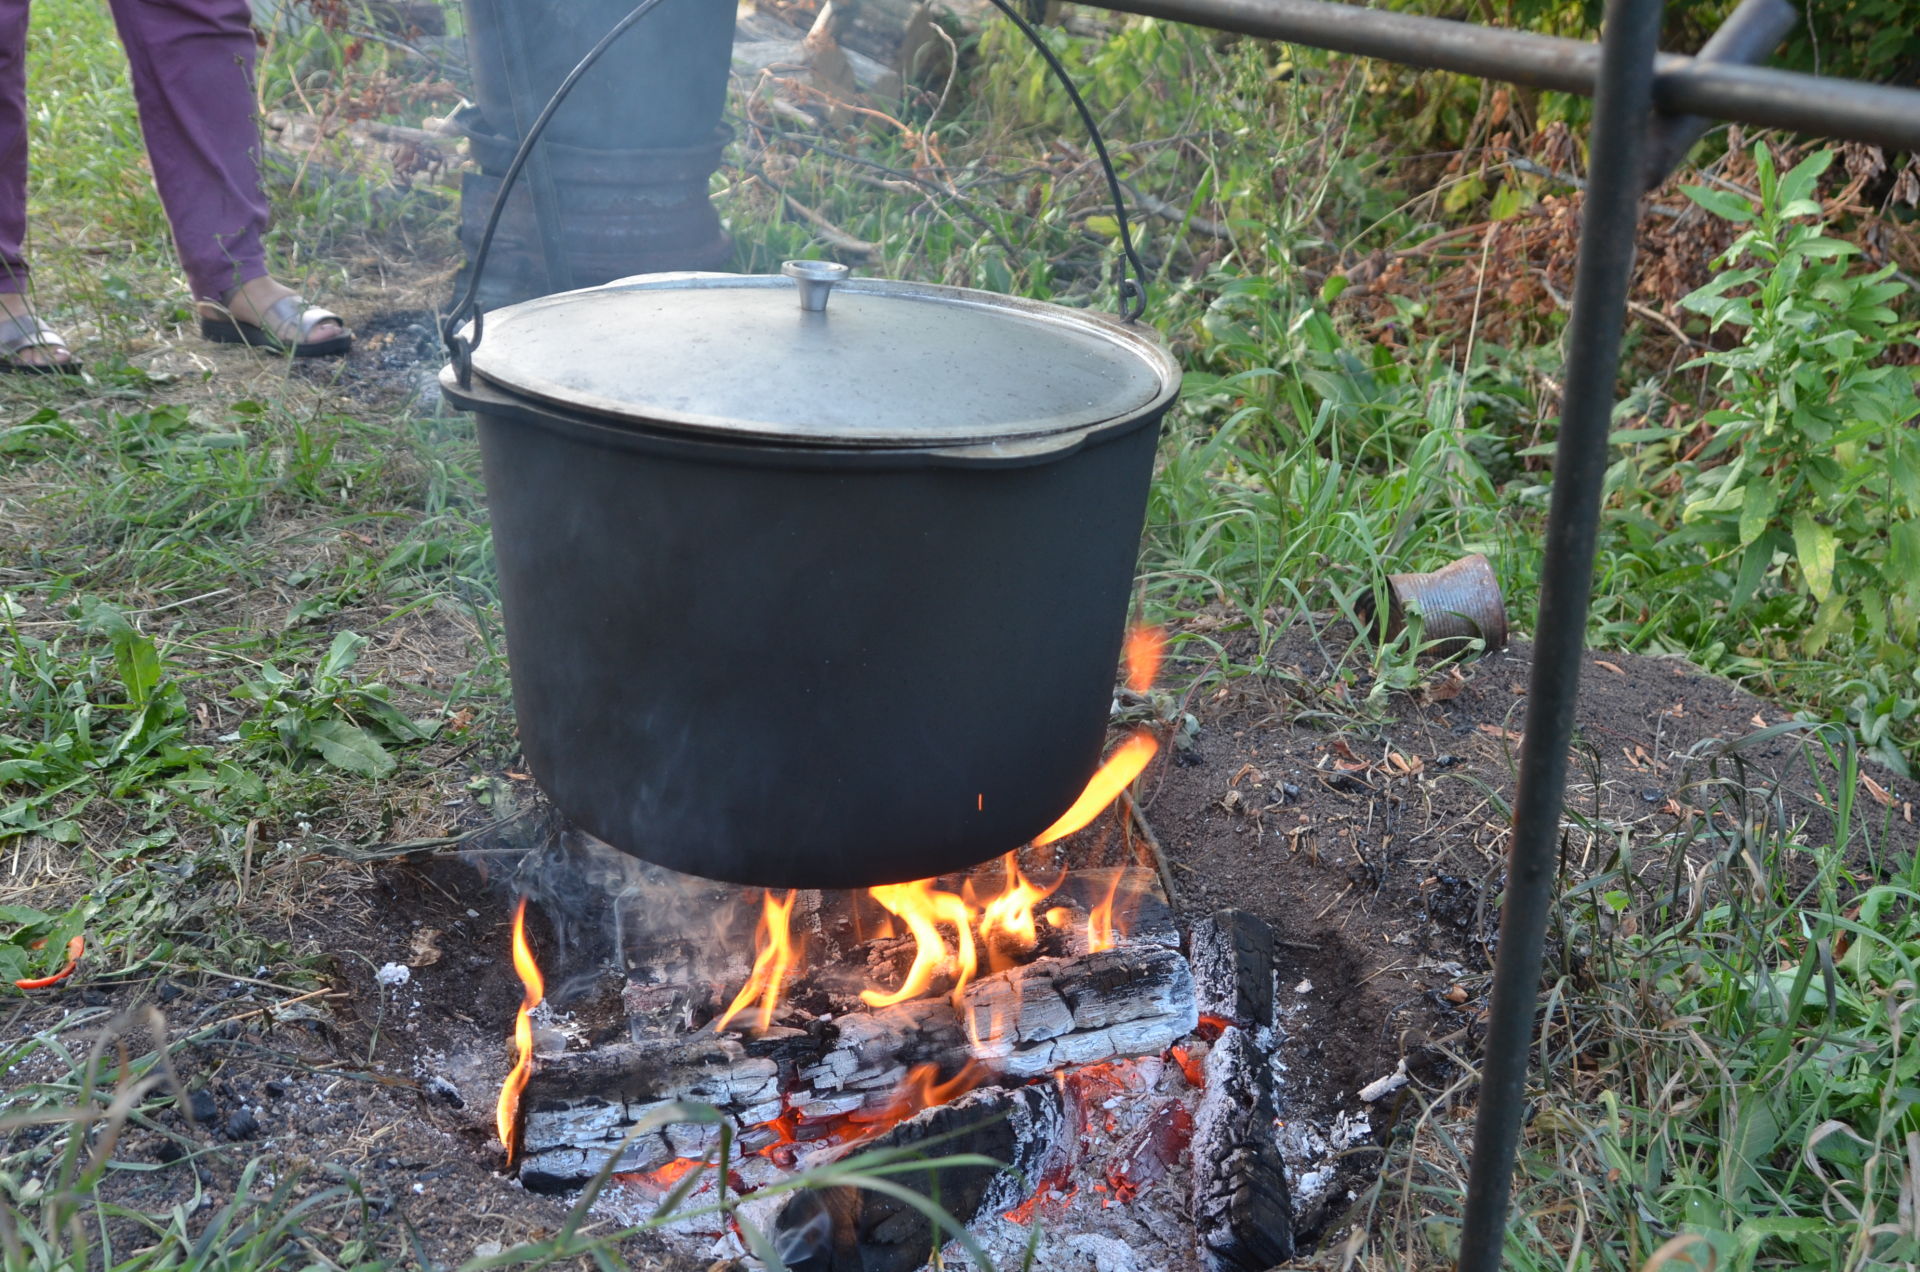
{"x":193,"y":79}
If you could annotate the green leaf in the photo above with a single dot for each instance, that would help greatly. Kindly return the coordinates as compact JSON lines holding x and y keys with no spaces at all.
{"x":1104,"y":226}
{"x":1753,"y":568}
{"x":1903,"y":554}
{"x":1724,"y":204}
{"x":1756,"y":510}
{"x":137,"y":661}
{"x":390,"y":718}
{"x":18,"y":916}
{"x":1816,"y":547}
{"x":240,"y":784}
{"x":1463,"y":193}
{"x":1507,"y":202}
{"x":350,"y":747}
{"x":1904,"y":468}
{"x":1798,"y":185}
{"x":341,"y":654}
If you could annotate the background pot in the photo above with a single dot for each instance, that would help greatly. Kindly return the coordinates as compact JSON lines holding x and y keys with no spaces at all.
{"x":824,"y":661}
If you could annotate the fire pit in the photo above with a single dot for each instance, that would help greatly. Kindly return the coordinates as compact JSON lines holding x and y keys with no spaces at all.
{"x":1046,"y":1011}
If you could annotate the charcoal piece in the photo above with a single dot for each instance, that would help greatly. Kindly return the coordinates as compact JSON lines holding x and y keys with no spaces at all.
{"x":242,"y":1124}
{"x":706,"y":1067}
{"x":201,"y":1108}
{"x":1232,"y":956}
{"x":844,"y":1229}
{"x":1242,"y":1214}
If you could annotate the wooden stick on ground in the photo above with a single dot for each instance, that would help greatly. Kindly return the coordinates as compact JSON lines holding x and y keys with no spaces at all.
{"x":1159,"y":854}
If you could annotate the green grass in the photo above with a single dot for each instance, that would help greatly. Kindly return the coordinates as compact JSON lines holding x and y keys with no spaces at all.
{"x":1726,"y":1071}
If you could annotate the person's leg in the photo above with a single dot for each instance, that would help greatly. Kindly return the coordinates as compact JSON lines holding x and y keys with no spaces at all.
{"x":22,"y":342}
{"x":193,"y":64}
{"x":13,"y":144}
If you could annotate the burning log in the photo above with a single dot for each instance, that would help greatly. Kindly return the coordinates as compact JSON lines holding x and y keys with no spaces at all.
{"x":1020,"y":1023}
{"x":1242,"y":1213}
{"x":844,"y":1229}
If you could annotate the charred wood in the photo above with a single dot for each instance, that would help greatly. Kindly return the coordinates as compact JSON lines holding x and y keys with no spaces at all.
{"x":1242,"y":1214}
{"x":1232,"y":956}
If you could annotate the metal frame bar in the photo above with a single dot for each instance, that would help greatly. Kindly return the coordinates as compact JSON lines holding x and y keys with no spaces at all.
{"x":1603,"y":273}
{"x":1645,"y":109}
{"x":1682,"y":85}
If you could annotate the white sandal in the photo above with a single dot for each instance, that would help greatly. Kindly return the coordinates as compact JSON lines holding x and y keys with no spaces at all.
{"x":289,"y":312}
{"x":17,"y":335}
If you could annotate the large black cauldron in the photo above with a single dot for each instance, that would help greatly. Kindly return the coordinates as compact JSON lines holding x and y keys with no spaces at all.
{"x":813,"y":598}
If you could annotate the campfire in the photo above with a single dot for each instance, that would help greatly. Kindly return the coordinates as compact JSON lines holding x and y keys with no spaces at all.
{"x":1047,"y":1014}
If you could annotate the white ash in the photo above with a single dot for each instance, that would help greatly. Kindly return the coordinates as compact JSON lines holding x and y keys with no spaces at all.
{"x":1380,"y":1088}
{"x":393,"y":975}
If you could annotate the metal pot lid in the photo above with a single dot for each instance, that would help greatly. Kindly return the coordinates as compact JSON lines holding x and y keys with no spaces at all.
{"x":872,"y":363}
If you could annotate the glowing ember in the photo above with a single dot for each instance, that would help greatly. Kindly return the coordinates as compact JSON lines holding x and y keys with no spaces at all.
{"x":923,"y":910}
{"x":1009,"y":916}
{"x":662,"y":1178}
{"x":773,"y":944}
{"x":1114,"y":776}
{"x":1192,"y":1067}
{"x":506,"y":1113}
{"x":920,"y":1089}
{"x":1145,"y":647}
{"x":1100,"y":929}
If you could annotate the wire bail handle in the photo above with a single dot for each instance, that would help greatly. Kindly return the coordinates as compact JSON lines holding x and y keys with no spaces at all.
{"x":1132,"y":274}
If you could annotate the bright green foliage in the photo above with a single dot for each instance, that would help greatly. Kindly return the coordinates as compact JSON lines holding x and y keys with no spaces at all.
{"x":81,"y":725}
{"x":329,"y":715}
{"x":1308,"y":471}
{"x":1811,"y":460}
{"x":1802,"y":509}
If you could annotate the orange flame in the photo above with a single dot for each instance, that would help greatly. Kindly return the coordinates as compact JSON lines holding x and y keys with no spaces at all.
{"x":1145,"y":648}
{"x":920,"y":1089}
{"x":1010,"y":915}
{"x":1100,"y":931}
{"x":922,"y":909}
{"x":1125,"y":764}
{"x":773,"y":945}
{"x":506,"y":1114}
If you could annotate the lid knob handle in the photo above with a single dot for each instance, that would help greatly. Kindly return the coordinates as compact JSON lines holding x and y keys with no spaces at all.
{"x":815,"y":280}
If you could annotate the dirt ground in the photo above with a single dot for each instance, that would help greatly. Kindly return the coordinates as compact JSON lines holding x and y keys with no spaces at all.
{"x":1376,"y":851}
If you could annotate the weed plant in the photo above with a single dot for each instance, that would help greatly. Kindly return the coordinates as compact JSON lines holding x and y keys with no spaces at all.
{"x":1781,"y":538}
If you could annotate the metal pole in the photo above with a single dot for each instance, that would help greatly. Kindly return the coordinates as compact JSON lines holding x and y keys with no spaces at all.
{"x":1762,"y":96}
{"x":1616,"y":159}
{"x":1748,"y":36}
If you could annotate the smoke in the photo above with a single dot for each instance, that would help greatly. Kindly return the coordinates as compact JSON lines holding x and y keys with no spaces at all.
{"x":611,"y":914}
